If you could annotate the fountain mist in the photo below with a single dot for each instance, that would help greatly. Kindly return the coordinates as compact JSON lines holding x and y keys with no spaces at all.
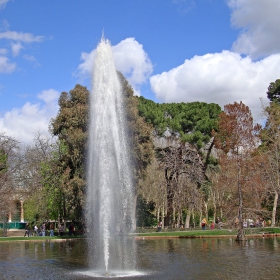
{"x":110,"y":213}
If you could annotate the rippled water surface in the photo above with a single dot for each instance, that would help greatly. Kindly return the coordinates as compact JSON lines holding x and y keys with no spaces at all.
{"x":258,"y":258}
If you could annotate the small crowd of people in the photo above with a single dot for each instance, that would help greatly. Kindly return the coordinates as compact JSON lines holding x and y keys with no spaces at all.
{"x":218,"y":224}
{"x":41,"y":230}
{"x":259,"y":222}
{"x":38,"y":231}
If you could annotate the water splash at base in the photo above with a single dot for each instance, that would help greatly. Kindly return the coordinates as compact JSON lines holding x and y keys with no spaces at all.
{"x":113,"y":274}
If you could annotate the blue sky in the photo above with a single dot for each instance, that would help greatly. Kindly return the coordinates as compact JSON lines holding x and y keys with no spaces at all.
{"x":217,"y":51}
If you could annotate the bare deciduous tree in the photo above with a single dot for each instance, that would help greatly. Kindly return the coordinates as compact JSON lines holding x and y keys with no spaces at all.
{"x":237,"y":137}
{"x":176,"y":161}
{"x":271,"y":152}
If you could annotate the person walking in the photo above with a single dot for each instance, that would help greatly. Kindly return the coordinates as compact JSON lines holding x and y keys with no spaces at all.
{"x":26,"y":230}
{"x":60,"y":229}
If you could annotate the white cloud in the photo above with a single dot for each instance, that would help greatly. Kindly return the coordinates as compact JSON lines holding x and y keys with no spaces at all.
{"x":259,"y":21}
{"x":17,"y":41}
{"x":86,"y":68}
{"x":32,"y":59}
{"x":50,"y":96}
{"x":184,"y":6}
{"x":3,"y":3}
{"x":3,"y":51}
{"x":220,"y":78}
{"x":20,"y":37}
{"x":6,"y":66}
{"x":130,"y":58}
{"x":16,"y":48}
{"x":22,"y":123}
{"x":227,"y":77}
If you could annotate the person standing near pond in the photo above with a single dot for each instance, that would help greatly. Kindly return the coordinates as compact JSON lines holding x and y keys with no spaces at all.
{"x":26,"y":230}
{"x":43,"y":229}
{"x":60,"y":229}
{"x":159,"y":226}
{"x":71,"y":229}
{"x":203,"y":223}
{"x":51,"y":229}
{"x":36,"y":230}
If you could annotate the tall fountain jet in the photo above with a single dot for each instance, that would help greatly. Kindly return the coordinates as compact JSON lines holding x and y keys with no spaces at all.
{"x":110,"y":195}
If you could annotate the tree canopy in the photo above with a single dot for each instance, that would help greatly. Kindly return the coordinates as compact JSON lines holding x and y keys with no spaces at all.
{"x":70,"y":126}
{"x":273,"y":91}
{"x":193,"y":121}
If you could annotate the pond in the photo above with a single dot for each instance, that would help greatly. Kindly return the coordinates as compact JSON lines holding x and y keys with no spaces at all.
{"x":177,"y":258}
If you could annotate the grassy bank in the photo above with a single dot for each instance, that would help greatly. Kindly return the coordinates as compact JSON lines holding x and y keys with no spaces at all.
{"x":193,"y":233}
{"x":39,"y":238}
{"x":165,"y":233}
{"x":215,"y":232}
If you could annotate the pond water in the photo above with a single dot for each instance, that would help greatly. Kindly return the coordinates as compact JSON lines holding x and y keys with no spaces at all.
{"x":178,"y":258}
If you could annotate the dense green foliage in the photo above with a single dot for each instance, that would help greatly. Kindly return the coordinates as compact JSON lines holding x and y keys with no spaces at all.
{"x":273,"y":91}
{"x":139,"y":132}
{"x":144,"y":213}
{"x":70,"y":126}
{"x":193,"y":121}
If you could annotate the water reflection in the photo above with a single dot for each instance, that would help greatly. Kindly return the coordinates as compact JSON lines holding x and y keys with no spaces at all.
{"x":157,"y":259}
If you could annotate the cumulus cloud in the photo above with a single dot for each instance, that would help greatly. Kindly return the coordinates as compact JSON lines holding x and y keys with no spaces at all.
{"x":3,"y":3}
{"x":3,"y":51}
{"x":16,"y":48}
{"x":259,"y":22}
{"x":6,"y":66}
{"x":22,"y":123}
{"x":130,"y":59}
{"x":220,"y":78}
{"x":228,"y":76}
{"x":21,"y":37}
{"x":32,"y":59}
{"x":17,"y":41}
{"x":50,"y":97}
{"x":86,"y":68}
{"x":184,"y":6}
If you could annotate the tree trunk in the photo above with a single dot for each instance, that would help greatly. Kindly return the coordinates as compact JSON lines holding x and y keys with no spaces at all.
{"x":275,"y":202}
{"x":163,"y":216}
{"x":215,"y":212}
{"x":193,"y":218}
{"x":158,"y":213}
{"x":174,"y":218}
{"x":206,"y":210}
{"x":179,"y":218}
{"x":240,"y":232}
{"x":187,"y":221}
{"x":169,"y":211}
